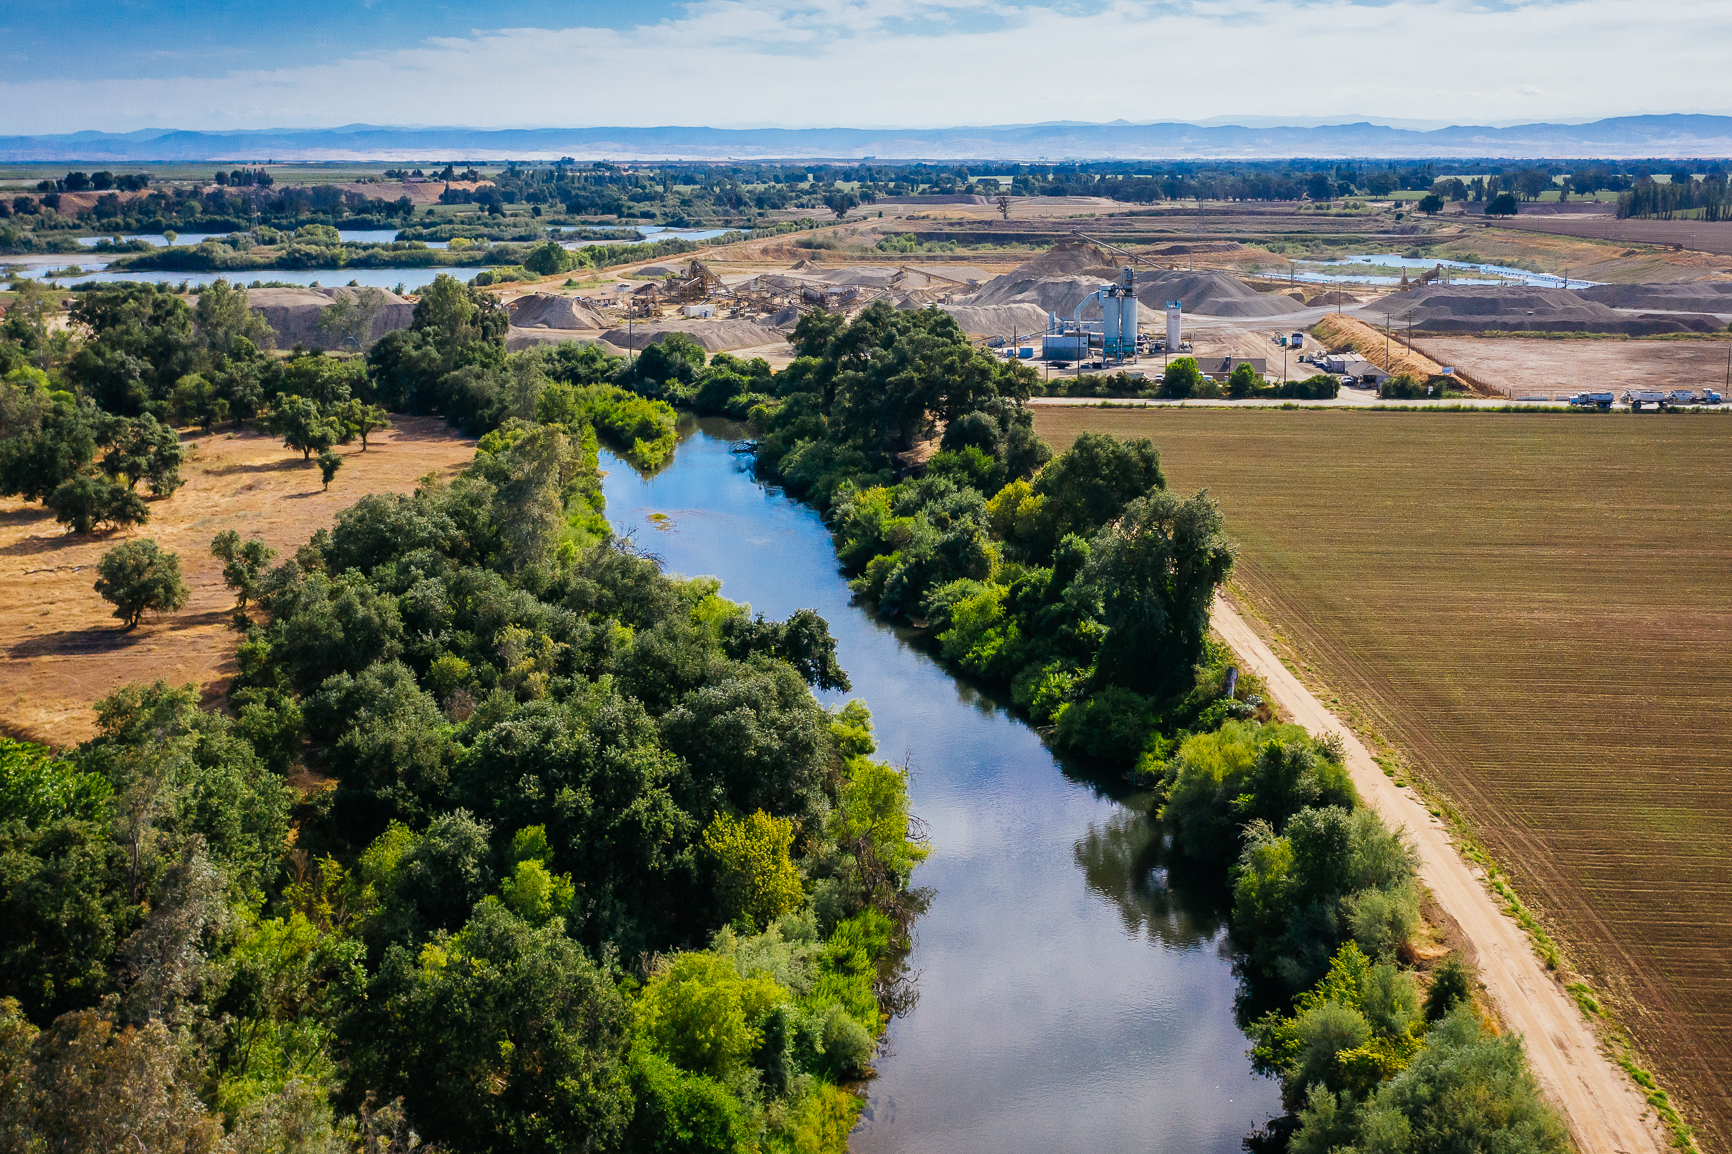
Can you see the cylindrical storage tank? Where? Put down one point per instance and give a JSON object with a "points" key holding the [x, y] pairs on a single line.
{"points": [[1174, 311], [1128, 326], [1111, 307]]}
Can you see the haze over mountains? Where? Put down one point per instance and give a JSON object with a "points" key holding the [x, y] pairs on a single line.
{"points": [[1625, 136]]}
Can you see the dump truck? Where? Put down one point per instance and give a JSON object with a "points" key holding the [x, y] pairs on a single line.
{"points": [[1682, 397], [1592, 401], [1636, 398]]}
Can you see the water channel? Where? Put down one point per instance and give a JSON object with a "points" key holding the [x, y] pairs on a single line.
{"points": [[1072, 995]]}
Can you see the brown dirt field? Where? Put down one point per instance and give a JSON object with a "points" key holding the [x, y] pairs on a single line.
{"points": [[1534, 611], [60, 648], [1697, 235], [1528, 367]]}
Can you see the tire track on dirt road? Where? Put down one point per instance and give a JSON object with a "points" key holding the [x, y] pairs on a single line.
{"points": [[1604, 1111]]}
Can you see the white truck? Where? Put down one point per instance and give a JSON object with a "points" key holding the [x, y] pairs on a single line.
{"points": [[1601, 401], [1636, 398]]}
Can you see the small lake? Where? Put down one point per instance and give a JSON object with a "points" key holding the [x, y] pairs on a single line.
{"points": [[1325, 272], [1072, 995]]}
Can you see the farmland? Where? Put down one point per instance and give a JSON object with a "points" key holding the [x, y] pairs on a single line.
{"points": [[1533, 611]]}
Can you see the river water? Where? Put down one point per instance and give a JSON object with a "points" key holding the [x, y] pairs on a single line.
{"points": [[1072, 996]]}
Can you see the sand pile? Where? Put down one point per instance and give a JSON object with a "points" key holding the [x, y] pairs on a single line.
{"points": [[549, 310], [1057, 280], [864, 275], [293, 314], [1053, 294], [1211, 293], [516, 340], [1464, 309], [715, 335], [1689, 296], [1006, 321]]}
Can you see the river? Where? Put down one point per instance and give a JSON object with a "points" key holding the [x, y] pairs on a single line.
{"points": [[1071, 995]]}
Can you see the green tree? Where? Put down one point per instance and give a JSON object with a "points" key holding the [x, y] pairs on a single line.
{"points": [[46, 436], [142, 449], [503, 1037], [139, 578], [303, 425], [363, 419], [350, 315], [243, 565], [1243, 382], [1503, 204], [329, 463], [1156, 570], [841, 201], [222, 314], [1430, 204], [1181, 379], [755, 875], [83, 503], [197, 402]]}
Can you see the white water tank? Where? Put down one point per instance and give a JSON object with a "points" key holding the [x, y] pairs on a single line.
{"points": [[1128, 325], [1175, 309]]}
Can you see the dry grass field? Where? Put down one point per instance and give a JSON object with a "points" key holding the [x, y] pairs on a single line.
{"points": [[60, 648], [1537, 366], [1535, 610]]}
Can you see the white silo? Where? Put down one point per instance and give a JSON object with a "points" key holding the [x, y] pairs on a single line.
{"points": [[1175, 311]]}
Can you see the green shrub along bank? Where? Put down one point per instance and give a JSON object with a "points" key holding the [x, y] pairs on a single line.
{"points": [[574, 859], [1325, 906], [1182, 379]]}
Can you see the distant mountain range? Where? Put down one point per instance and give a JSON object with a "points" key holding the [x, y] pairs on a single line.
{"points": [[1620, 137]]}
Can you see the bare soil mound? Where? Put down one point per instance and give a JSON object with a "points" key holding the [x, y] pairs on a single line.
{"points": [[1070, 258], [293, 314], [550, 310], [1465, 309], [715, 336], [1053, 294], [516, 339], [998, 320], [1212, 293], [1686, 296]]}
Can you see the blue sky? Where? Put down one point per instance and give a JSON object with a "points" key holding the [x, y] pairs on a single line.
{"points": [[67, 65]]}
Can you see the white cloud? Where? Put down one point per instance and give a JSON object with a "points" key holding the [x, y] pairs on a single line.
{"points": [[804, 63]]}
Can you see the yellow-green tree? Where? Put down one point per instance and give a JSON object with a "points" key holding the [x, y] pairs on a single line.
{"points": [[756, 875]]}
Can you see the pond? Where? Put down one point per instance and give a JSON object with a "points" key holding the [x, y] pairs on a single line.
{"points": [[1342, 271], [1072, 994]]}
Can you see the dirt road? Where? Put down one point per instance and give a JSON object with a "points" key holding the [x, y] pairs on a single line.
{"points": [[1604, 1112]]}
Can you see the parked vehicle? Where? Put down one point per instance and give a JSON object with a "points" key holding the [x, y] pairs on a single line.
{"points": [[1710, 397], [1683, 397], [1636, 398], [1600, 401]]}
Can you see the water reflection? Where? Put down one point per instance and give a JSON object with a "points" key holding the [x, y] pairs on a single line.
{"points": [[1076, 989]]}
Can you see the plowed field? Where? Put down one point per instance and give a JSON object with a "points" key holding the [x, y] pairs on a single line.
{"points": [[1536, 610]]}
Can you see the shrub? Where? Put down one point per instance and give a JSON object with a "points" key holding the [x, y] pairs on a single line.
{"points": [[138, 578], [85, 502]]}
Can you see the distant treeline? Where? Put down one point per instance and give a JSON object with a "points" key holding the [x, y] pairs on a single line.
{"points": [[1683, 195]]}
